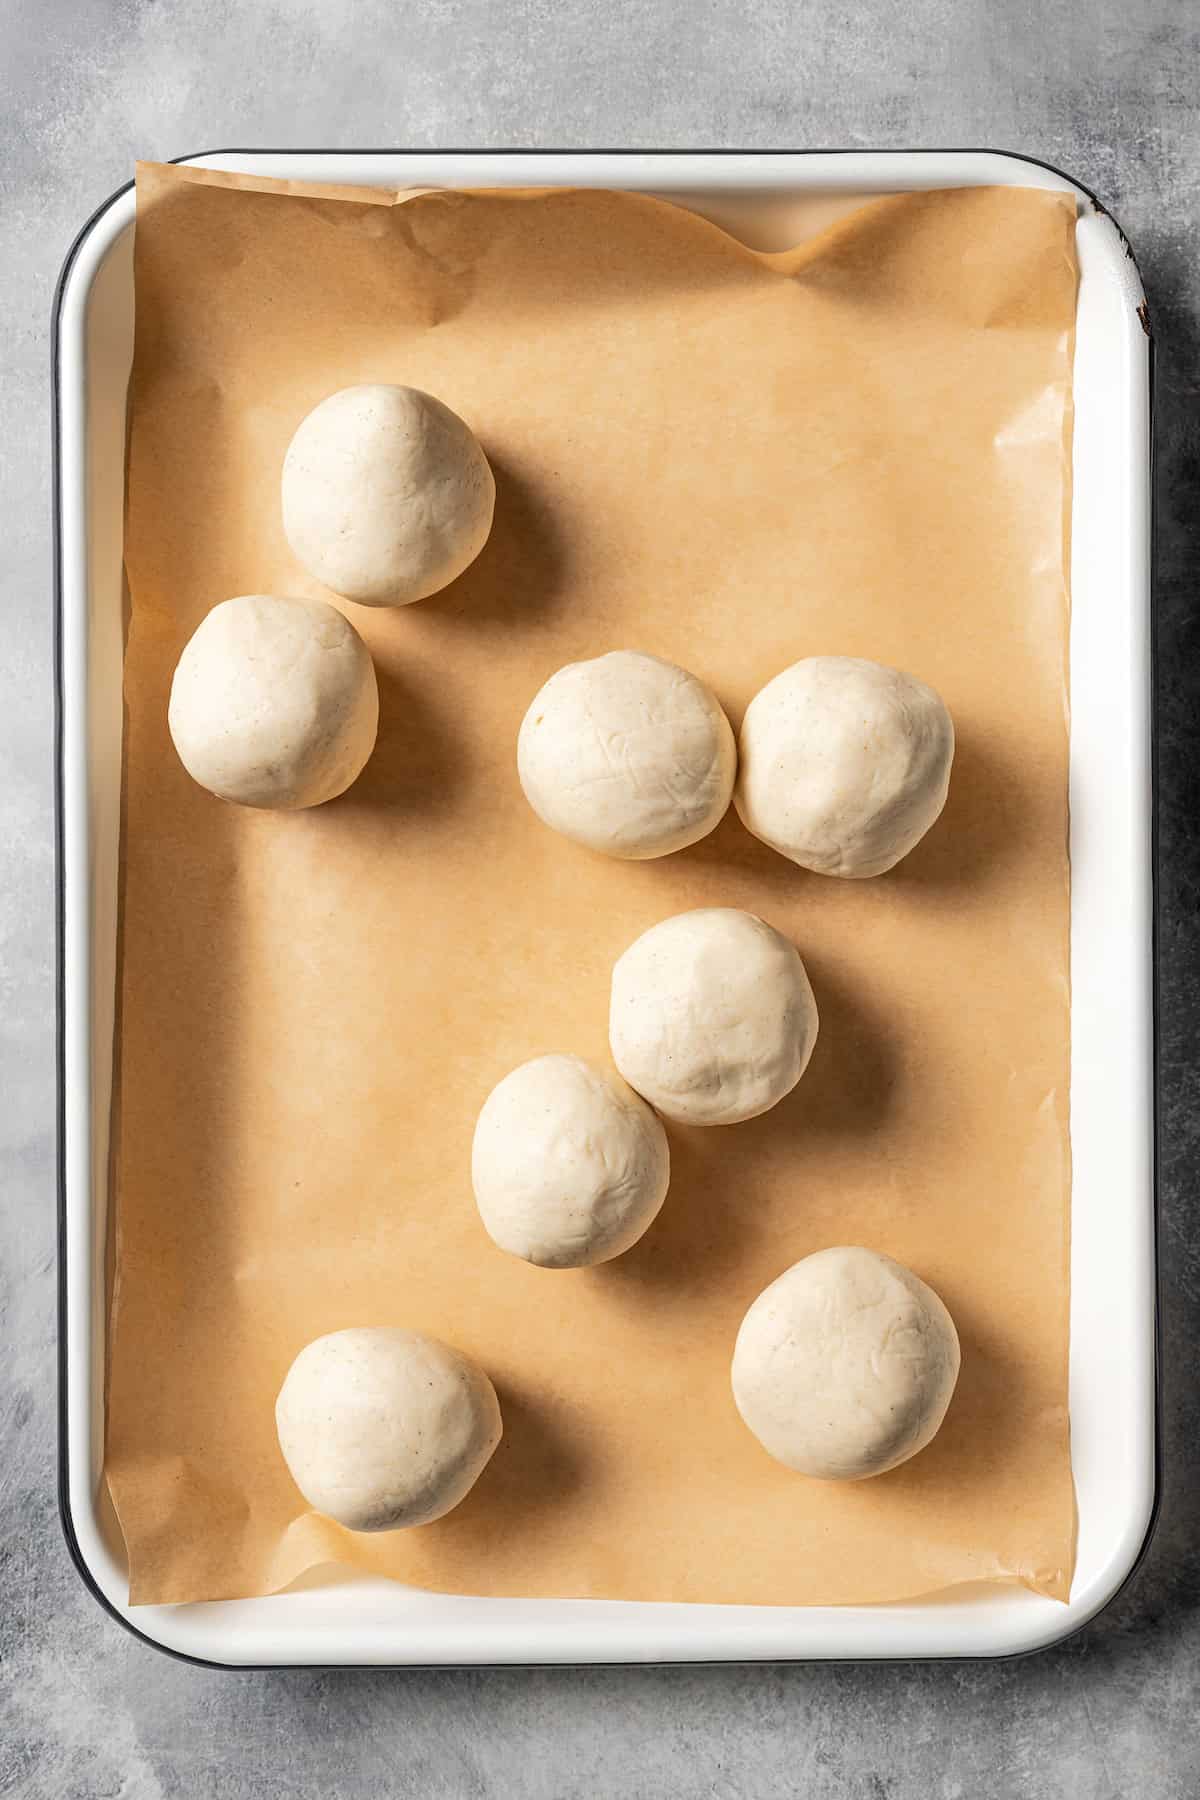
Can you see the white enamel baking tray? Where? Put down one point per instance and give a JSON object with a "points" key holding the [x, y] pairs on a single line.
{"points": [[1113, 1360]]}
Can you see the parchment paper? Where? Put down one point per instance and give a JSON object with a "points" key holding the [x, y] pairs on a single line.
{"points": [[731, 460]]}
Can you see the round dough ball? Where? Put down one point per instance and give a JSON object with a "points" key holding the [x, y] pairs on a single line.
{"points": [[844, 764], [387, 495], [845, 1365], [274, 702], [627, 754], [569, 1166], [712, 1016], [382, 1428]]}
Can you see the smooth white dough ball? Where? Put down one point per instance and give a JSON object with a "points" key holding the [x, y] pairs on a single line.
{"points": [[627, 754], [383, 1428], [387, 495], [845, 1365], [712, 1017], [569, 1166], [843, 764], [274, 702]]}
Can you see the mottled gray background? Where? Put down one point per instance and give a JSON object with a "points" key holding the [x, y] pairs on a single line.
{"points": [[1108, 90]]}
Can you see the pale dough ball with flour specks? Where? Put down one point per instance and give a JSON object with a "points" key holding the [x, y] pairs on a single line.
{"points": [[628, 755], [843, 764], [387, 495], [384, 1428], [274, 702], [845, 1365], [569, 1166], [712, 1018]]}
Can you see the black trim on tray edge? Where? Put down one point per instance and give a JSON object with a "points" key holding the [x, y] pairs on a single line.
{"points": [[64, 1500]]}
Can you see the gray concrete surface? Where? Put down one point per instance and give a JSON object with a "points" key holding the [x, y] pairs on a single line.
{"points": [[1108, 91]]}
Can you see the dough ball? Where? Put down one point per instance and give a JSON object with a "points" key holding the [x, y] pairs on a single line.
{"points": [[274, 702], [382, 1428], [844, 764], [844, 1367], [712, 1016], [627, 754], [387, 495], [569, 1166]]}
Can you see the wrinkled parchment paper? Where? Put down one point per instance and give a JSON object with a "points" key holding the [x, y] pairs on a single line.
{"points": [[731, 460]]}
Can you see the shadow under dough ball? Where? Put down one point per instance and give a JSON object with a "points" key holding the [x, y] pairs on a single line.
{"points": [[570, 1167], [383, 1428], [845, 1365], [274, 702], [843, 764], [712, 1018], [387, 496]]}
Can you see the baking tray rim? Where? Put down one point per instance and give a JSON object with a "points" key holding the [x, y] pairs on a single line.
{"points": [[1125, 1565]]}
